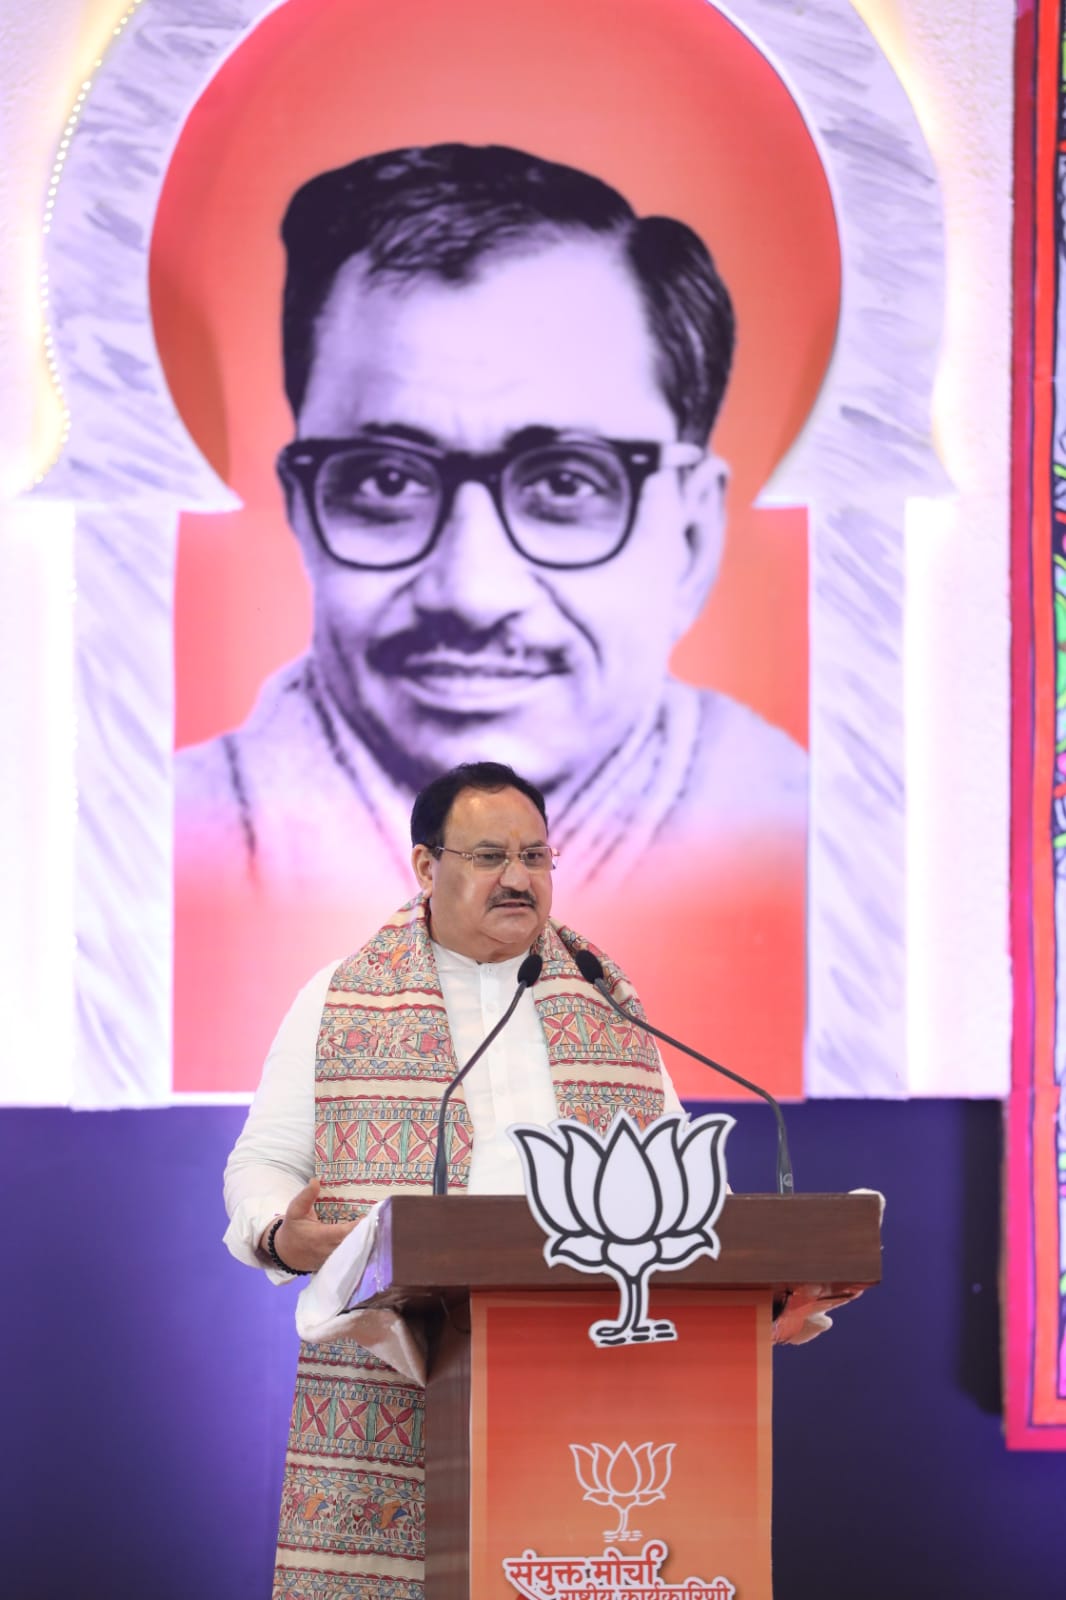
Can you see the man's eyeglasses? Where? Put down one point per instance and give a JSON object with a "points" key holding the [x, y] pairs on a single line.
{"points": [[535, 857], [564, 500]]}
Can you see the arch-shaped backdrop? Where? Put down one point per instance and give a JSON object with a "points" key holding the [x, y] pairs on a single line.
{"points": [[864, 450]]}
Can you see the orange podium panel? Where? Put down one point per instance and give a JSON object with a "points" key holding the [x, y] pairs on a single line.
{"points": [[644, 1469]]}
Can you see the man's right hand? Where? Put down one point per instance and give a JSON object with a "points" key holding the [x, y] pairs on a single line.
{"points": [[302, 1241]]}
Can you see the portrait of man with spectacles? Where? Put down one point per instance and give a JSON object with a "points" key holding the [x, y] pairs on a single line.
{"points": [[503, 384]]}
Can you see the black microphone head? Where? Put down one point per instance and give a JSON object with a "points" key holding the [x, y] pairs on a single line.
{"points": [[589, 966], [530, 970]]}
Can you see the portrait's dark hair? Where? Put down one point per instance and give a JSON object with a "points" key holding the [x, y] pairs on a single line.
{"points": [[433, 804], [439, 211]]}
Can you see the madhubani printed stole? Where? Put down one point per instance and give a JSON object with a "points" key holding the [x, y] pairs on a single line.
{"points": [[352, 1514]]}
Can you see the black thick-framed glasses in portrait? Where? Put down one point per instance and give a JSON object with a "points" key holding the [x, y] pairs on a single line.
{"points": [[563, 499]]}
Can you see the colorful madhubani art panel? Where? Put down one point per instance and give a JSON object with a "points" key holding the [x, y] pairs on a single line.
{"points": [[1035, 1242]]}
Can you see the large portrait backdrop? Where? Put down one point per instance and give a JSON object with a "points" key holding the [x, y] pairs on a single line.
{"points": [[686, 860], [712, 680]]}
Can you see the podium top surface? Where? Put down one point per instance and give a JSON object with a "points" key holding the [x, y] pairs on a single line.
{"points": [[431, 1246]]}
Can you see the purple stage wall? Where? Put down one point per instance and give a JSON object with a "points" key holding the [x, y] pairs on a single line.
{"points": [[148, 1376]]}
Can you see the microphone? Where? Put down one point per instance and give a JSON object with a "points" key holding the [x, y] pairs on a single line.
{"points": [[591, 969], [528, 973]]}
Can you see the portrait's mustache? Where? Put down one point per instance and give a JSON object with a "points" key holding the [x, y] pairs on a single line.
{"points": [[445, 635]]}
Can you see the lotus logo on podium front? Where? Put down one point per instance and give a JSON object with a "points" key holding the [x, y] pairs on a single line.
{"points": [[622, 1478], [627, 1203]]}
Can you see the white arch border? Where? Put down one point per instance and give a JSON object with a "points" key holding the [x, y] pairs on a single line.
{"points": [[130, 468]]}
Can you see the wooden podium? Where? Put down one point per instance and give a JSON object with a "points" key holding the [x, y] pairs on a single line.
{"points": [[590, 1469]]}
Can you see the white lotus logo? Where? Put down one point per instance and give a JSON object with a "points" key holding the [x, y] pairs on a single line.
{"points": [[624, 1479], [627, 1203]]}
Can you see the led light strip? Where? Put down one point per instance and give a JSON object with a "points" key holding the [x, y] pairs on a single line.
{"points": [[69, 129]]}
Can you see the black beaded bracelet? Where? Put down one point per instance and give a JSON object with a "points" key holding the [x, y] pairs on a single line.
{"points": [[272, 1252]]}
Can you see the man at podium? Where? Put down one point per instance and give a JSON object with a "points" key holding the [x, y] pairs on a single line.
{"points": [[346, 1114]]}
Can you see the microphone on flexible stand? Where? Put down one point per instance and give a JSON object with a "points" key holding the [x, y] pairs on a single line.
{"points": [[591, 969], [528, 973]]}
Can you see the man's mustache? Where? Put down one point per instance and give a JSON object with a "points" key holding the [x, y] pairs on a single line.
{"points": [[509, 897], [445, 631]]}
